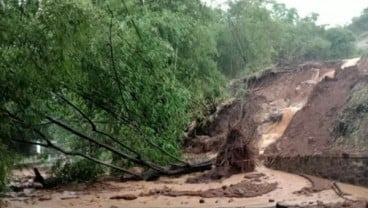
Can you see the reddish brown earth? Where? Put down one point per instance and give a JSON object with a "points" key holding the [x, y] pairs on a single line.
{"points": [[310, 131]]}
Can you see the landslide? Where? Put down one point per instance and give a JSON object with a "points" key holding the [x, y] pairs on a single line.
{"points": [[333, 121], [307, 109]]}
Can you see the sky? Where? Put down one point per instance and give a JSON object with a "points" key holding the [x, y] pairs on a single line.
{"points": [[331, 12]]}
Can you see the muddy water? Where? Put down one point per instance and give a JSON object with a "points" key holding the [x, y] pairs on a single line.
{"points": [[98, 195], [274, 131]]}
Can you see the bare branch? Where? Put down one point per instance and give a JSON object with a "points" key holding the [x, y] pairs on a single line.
{"points": [[49, 144], [69, 153], [94, 127], [126, 121], [113, 65], [108, 147]]}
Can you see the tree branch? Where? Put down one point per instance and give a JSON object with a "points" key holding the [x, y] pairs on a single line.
{"points": [[70, 153], [113, 65], [132, 21], [108, 147], [131, 124], [94, 127], [49, 144]]}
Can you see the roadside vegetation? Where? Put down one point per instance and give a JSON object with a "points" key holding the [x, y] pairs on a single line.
{"points": [[115, 83]]}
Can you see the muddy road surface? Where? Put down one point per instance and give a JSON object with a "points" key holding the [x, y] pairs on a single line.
{"points": [[290, 189]]}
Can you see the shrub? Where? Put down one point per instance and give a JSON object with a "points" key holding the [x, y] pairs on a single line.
{"points": [[77, 171], [5, 167]]}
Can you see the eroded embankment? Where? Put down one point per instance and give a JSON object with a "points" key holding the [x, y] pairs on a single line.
{"points": [[306, 110], [353, 170], [327, 137], [313, 130]]}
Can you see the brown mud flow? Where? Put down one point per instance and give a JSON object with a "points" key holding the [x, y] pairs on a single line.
{"points": [[289, 191], [307, 119]]}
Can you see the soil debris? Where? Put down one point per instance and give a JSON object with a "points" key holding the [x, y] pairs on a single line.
{"points": [[236, 156], [319, 204], [124, 197], [318, 185], [243, 189]]}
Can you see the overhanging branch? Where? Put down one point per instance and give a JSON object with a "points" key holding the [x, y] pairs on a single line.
{"points": [[105, 146]]}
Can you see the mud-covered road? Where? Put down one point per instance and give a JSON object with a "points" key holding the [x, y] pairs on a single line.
{"points": [[288, 189]]}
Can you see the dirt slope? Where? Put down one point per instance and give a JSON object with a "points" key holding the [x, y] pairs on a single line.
{"points": [[315, 128], [295, 110]]}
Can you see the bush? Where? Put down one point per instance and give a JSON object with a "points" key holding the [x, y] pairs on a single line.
{"points": [[5, 167], [77, 171]]}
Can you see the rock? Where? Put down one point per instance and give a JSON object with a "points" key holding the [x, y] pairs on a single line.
{"points": [[151, 175], [124, 197], [271, 200], [284, 205], [37, 185], [28, 191], [69, 195], [254, 175], [45, 198], [275, 118], [201, 201]]}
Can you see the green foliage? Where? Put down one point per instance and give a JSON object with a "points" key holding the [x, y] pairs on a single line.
{"points": [[342, 42], [258, 33], [138, 72], [246, 40], [351, 129], [77, 171], [359, 24], [5, 167]]}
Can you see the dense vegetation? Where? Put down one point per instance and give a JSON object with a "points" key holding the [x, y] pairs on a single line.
{"points": [[359, 24], [359, 27], [116, 82]]}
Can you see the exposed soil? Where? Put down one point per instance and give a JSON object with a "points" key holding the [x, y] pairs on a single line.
{"points": [[243, 189], [310, 130]]}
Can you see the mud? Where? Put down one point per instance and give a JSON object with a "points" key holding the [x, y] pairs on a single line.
{"points": [[99, 194], [317, 185], [243, 189]]}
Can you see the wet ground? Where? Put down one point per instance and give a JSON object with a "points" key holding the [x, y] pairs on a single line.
{"points": [[104, 194]]}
